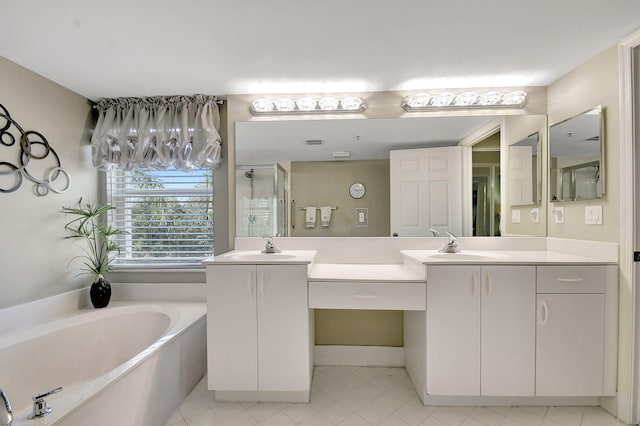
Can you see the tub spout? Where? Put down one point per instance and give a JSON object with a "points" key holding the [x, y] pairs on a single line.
{"points": [[40, 408], [6, 415]]}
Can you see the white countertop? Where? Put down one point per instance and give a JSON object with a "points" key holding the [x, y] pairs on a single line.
{"points": [[493, 257], [365, 272], [256, 257]]}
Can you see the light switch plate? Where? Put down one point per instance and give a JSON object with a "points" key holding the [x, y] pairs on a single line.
{"points": [[515, 216], [593, 215]]}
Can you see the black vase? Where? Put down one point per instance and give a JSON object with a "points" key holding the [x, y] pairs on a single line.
{"points": [[100, 292]]}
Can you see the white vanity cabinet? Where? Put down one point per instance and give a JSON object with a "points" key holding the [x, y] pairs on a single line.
{"points": [[576, 331], [258, 328], [480, 323]]}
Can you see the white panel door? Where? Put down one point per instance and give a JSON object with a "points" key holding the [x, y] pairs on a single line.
{"points": [[453, 330], [426, 190], [570, 345], [443, 176], [521, 175], [508, 330], [283, 328], [232, 334]]}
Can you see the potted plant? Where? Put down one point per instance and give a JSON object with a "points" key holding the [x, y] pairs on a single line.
{"points": [[88, 226]]}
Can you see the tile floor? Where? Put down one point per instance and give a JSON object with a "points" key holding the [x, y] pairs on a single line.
{"points": [[363, 396]]}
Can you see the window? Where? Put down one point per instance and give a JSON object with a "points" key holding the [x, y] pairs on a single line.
{"points": [[168, 215]]}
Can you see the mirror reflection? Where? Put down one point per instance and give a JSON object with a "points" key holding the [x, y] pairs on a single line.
{"points": [[576, 158], [321, 160], [524, 166]]}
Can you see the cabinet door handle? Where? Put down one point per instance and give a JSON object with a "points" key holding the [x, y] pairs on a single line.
{"points": [[367, 295], [250, 283], [261, 283], [474, 287], [544, 313], [571, 280], [489, 284]]}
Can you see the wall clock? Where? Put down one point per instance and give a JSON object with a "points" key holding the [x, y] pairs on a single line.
{"points": [[357, 190]]}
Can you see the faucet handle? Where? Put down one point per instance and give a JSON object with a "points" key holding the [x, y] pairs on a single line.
{"points": [[40, 408], [270, 246], [451, 234], [434, 232], [6, 415]]}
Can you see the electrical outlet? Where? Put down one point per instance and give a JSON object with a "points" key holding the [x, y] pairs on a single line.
{"points": [[558, 212], [362, 216], [535, 215]]}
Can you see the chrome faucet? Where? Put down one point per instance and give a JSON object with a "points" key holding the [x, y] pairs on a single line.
{"points": [[270, 247], [434, 232], [451, 246], [6, 415], [40, 408]]}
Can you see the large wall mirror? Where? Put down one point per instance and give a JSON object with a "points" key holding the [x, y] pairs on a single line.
{"points": [[576, 157], [311, 165], [524, 171]]}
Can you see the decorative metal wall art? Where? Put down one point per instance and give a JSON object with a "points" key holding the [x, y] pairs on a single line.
{"points": [[33, 150]]}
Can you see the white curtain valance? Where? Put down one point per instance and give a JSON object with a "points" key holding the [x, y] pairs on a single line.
{"points": [[157, 133]]}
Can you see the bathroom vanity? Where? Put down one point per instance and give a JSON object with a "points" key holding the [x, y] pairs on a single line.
{"points": [[479, 326]]}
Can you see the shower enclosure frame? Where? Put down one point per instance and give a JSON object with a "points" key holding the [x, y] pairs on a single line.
{"points": [[280, 223]]}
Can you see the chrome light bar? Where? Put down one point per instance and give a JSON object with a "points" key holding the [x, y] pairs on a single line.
{"points": [[465, 100], [307, 105]]}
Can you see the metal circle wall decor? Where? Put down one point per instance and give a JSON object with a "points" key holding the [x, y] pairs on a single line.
{"points": [[10, 132]]}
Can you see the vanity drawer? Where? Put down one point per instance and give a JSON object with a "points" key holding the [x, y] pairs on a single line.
{"points": [[571, 279], [368, 295]]}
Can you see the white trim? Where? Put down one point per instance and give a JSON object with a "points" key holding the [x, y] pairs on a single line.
{"points": [[482, 133], [364, 356], [628, 404]]}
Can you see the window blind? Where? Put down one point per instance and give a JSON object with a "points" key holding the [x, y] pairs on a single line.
{"points": [[167, 214]]}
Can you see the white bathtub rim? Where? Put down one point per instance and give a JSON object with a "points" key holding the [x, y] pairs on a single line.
{"points": [[64, 402]]}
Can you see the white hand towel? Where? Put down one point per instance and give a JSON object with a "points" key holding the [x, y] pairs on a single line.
{"points": [[310, 217], [325, 215]]}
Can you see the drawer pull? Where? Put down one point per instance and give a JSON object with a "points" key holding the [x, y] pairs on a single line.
{"points": [[250, 283], [571, 280], [544, 313], [367, 295], [474, 288]]}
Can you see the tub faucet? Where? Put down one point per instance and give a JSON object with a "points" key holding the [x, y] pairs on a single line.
{"points": [[40, 408], [6, 415], [270, 247], [451, 246]]}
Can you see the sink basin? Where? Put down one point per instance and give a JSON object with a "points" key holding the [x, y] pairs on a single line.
{"points": [[468, 256], [263, 256]]}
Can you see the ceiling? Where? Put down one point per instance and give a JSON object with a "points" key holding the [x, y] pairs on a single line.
{"points": [[220, 47], [262, 142]]}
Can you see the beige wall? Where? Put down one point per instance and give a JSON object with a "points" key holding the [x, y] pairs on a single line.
{"points": [[591, 84], [35, 259], [326, 183], [358, 327]]}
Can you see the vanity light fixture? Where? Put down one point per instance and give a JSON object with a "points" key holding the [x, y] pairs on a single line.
{"points": [[306, 105], [468, 99]]}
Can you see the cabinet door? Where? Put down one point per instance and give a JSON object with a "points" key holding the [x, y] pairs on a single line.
{"points": [[232, 333], [453, 330], [283, 328], [508, 330], [570, 344], [425, 190]]}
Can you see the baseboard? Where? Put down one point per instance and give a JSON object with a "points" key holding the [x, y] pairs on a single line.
{"points": [[365, 356]]}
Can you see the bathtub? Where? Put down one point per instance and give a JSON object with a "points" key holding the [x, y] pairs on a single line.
{"points": [[129, 364]]}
